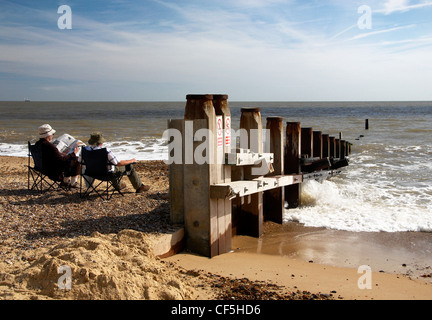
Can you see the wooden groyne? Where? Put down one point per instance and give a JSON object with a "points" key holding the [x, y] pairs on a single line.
{"points": [[225, 183]]}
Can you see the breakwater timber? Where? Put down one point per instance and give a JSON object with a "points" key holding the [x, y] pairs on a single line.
{"points": [[222, 183]]}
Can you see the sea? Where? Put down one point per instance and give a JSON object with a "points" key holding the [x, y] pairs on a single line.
{"points": [[387, 186]]}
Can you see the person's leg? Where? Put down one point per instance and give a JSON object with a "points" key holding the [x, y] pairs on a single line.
{"points": [[133, 176], [71, 171], [118, 172]]}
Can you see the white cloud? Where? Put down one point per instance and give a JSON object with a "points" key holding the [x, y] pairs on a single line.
{"points": [[373, 33], [391, 6]]}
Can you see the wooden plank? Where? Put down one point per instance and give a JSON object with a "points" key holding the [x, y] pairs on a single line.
{"points": [[221, 226], [320, 175], [248, 187], [320, 164], [248, 158]]}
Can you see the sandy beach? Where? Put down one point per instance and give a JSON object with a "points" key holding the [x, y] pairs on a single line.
{"points": [[108, 248]]}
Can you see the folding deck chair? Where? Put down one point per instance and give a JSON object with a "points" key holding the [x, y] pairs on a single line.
{"points": [[96, 165], [37, 175]]}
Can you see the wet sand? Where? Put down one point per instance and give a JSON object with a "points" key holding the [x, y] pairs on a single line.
{"points": [[328, 261], [408, 253]]}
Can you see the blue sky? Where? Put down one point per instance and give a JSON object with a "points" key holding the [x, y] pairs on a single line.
{"points": [[256, 50]]}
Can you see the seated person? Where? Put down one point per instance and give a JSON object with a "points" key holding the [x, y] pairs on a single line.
{"points": [[57, 166], [118, 167]]}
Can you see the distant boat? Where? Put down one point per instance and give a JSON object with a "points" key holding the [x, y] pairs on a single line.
{"points": [[26, 100]]}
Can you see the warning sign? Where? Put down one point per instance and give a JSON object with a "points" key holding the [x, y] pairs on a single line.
{"points": [[219, 128], [227, 131]]}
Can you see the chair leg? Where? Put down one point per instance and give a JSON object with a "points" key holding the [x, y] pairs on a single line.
{"points": [[107, 191], [91, 188]]}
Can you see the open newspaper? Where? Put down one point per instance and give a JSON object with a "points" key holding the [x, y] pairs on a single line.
{"points": [[66, 143]]}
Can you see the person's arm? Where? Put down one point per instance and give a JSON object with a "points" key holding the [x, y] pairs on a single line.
{"points": [[125, 162], [57, 154], [113, 160]]}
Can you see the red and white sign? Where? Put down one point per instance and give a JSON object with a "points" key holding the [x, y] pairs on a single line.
{"points": [[219, 131], [227, 131]]}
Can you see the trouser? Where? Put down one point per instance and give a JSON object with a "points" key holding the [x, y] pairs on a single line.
{"points": [[72, 168], [130, 172]]}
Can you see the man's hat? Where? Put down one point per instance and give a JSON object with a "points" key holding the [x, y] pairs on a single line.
{"points": [[96, 139]]}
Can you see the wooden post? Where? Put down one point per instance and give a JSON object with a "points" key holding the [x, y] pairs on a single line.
{"points": [[251, 217], [337, 148], [224, 209], [292, 161], [306, 142], [220, 103], [332, 147], [175, 170], [325, 146], [317, 144], [367, 124], [342, 149], [274, 199], [205, 219], [199, 106]]}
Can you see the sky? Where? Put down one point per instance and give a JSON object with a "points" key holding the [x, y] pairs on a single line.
{"points": [[252, 50]]}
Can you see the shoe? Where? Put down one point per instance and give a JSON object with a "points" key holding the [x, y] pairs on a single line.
{"points": [[64, 185], [143, 188], [122, 186], [74, 186]]}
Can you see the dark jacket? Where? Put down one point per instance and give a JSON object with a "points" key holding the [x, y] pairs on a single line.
{"points": [[54, 163]]}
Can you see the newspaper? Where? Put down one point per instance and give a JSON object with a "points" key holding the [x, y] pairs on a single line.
{"points": [[66, 143]]}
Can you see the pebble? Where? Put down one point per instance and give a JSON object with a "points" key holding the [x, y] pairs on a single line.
{"points": [[31, 220]]}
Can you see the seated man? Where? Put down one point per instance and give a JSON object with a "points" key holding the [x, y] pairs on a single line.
{"points": [[95, 142], [57, 166]]}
